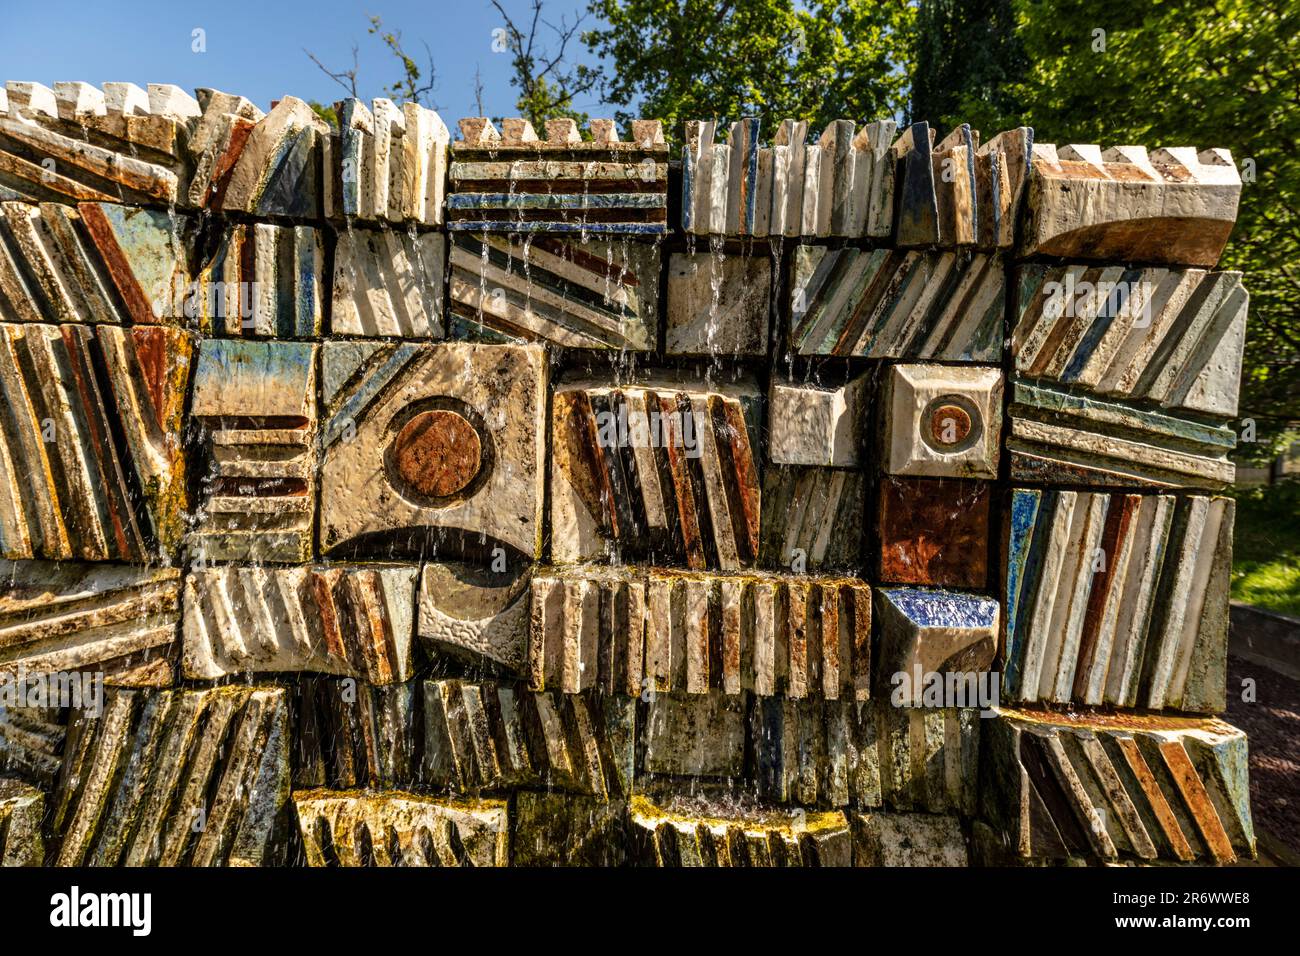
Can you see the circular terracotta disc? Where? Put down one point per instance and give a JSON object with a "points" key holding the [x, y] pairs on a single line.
{"points": [[438, 452], [949, 425]]}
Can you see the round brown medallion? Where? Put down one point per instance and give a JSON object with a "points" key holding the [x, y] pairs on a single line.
{"points": [[438, 452], [949, 425]]}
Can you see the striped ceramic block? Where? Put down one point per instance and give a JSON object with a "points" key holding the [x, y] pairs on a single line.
{"points": [[515, 182], [599, 294], [1116, 787], [886, 303], [1170, 336], [1062, 437], [1117, 599]]}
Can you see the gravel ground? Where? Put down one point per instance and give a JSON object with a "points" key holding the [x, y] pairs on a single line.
{"points": [[1272, 722]]}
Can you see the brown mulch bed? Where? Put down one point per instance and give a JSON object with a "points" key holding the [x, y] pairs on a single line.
{"points": [[1272, 722]]}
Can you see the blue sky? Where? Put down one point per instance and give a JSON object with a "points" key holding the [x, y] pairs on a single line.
{"points": [[256, 48]]}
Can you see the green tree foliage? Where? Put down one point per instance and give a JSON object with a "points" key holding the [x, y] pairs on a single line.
{"points": [[1160, 73], [775, 59], [967, 60]]}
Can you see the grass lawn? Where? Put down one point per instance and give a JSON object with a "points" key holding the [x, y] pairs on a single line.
{"points": [[1266, 550]]}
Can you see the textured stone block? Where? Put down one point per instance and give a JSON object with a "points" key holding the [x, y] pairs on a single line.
{"points": [[719, 304], [598, 294], [907, 839], [817, 426], [690, 831], [942, 422], [475, 614], [938, 198], [1064, 438], [392, 163], [1118, 599], [561, 829], [388, 282], [392, 828], [864, 754], [175, 778], [255, 406], [21, 808], [432, 445], [97, 263], [520, 183], [587, 630], [885, 303], [491, 736], [694, 735], [924, 631], [1170, 336], [1174, 205], [934, 531], [841, 185], [261, 280], [91, 460], [31, 743], [115, 620], [664, 470], [1118, 787], [54, 149], [349, 733], [329, 619], [812, 517]]}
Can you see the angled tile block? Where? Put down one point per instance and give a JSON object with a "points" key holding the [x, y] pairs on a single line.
{"points": [[255, 406], [22, 807], [392, 828], [934, 531], [1066, 438], [719, 304], [1001, 178], [599, 294], [1118, 599], [885, 303], [925, 631], [51, 152], [98, 262], [329, 619], [272, 165], [31, 742], [1170, 336], [665, 470], [491, 736], [942, 422], [139, 779], [1174, 205], [475, 614], [682, 830], [810, 425], [349, 733], [939, 196], [116, 620], [1121, 787], [907, 839], [262, 281], [520, 183], [392, 163], [812, 517], [426, 443], [91, 462], [388, 282]]}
